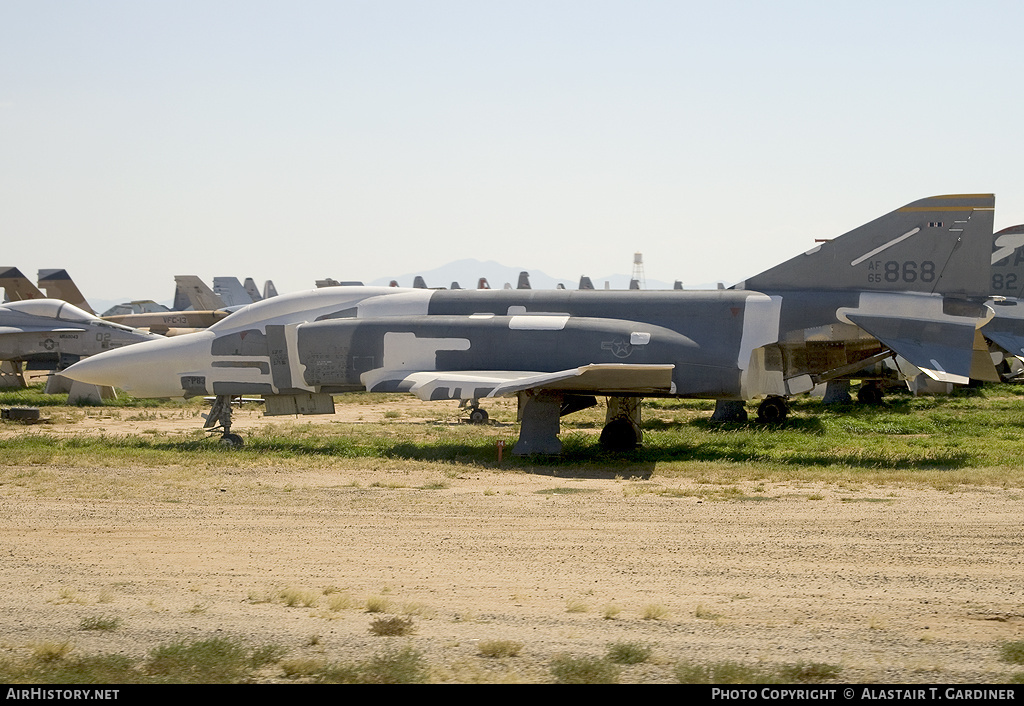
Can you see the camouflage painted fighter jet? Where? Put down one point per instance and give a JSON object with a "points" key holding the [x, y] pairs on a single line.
{"points": [[54, 331], [912, 282]]}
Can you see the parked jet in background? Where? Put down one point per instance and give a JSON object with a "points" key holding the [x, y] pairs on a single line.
{"points": [[911, 282], [56, 283], [1006, 330], [55, 332], [196, 307]]}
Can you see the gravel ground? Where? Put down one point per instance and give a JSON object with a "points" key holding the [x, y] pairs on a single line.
{"points": [[892, 584]]}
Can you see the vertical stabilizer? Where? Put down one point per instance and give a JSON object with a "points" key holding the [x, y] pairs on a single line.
{"points": [[196, 293], [231, 291], [58, 285], [252, 290], [941, 244], [17, 287]]}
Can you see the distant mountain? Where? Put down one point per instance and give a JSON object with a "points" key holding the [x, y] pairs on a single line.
{"points": [[468, 272]]}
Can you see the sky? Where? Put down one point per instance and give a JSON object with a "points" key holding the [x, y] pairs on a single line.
{"points": [[299, 140]]}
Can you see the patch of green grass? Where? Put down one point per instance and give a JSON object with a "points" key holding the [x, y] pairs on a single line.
{"points": [[403, 665], [99, 622], [567, 669], [218, 660], [1012, 652], [729, 672], [564, 491], [945, 442], [629, 652]]}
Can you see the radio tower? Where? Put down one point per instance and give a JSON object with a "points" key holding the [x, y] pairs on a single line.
{"points": [[637, 280]]}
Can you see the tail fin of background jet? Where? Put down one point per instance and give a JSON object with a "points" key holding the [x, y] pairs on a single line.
{"points": [[524, 280], [17, 287], [251, 289], [194, 293], [941, 244], [231, 291], [269, 290], [58, 285]]}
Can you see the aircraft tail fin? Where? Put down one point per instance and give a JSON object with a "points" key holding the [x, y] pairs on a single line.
{"points": [[195, 293], [941, 244], [524, 281], [58, 285], [252, 290], [1008, 262], [17, 287], [231, 291], [269, 290]]}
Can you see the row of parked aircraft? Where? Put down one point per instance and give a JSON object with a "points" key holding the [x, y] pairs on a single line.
{"points": [[53, 325], [920, 285]]}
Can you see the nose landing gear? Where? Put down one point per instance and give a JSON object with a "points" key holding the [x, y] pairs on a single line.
{"points": [[219, 419]]}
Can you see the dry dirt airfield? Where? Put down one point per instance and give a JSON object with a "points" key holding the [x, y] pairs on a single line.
{"points": [[892, 584]]}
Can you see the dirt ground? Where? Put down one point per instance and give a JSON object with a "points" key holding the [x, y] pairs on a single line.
{"points": [[892, 584]]}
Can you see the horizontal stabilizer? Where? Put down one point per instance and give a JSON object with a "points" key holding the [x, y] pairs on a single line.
{"points": [[608, 378], [1007, 328], [942, 350]]}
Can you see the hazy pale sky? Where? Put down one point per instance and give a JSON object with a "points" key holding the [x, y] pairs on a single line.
{"points": [[356, 140]]}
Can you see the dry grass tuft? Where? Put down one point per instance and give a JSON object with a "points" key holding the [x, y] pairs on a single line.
{"points": [[498, 649]]}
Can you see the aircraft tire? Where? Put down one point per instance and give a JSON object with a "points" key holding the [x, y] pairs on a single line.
{"points": [[478, 416], [619, 435], [772, 410], [869, 394], [233, 441]]}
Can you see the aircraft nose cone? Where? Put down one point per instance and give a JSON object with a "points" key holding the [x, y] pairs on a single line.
{"points": [[150, 369]]}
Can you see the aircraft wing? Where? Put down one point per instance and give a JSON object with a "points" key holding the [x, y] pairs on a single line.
{"points": [[39, 329], [943, 351], [605, 378]]}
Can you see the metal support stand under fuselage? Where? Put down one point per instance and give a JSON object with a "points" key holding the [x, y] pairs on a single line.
{"points": [[540, 416], [729, 411]]}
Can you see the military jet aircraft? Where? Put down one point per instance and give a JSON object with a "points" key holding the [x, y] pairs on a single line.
{"points": [[912, 282], [196, 306], [53, 331]]}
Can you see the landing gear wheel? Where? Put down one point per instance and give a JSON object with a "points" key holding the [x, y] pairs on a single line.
{"points": [[233, 441], [773, 410], [869, 394], [619, 435], [478, 416]]}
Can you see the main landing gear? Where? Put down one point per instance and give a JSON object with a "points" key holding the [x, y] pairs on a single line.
{"points": [[477, 414], [870, 393], [219, 419], [773, 410]]}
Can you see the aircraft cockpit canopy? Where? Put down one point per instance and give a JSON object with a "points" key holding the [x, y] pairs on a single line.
{"points": [[52, 309]]}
